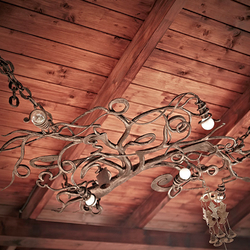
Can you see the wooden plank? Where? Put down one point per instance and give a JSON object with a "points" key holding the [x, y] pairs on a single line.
{"points": [[177, 85], [8, 248], [235, 117], [246, 2], [198, 71], [239, 212], [61, 31], [145, 96], [56, 109], [222, 10], [68, 236], [15, 41], [206, 52], [78, 217], [53, 93], [169, 225], [54, 73], [204, 28], [139, 50], [147, 210], [76, 11], [139, 9], [133, 58]]}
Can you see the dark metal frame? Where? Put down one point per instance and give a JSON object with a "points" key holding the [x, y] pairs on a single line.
{"points": [[176, 154]]}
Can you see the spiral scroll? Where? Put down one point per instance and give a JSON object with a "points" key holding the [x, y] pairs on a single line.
{"points": [[173, 154]]}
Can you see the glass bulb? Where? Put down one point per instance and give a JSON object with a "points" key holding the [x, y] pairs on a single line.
{"points": [[219, 198], [207, 124], [185, 173], [91, 201], [38, 117]]}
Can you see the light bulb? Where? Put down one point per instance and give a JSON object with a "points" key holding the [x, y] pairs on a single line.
{"points": [[207, 124], [38, 117], [91, 201], [219, 198], [185, 173]]}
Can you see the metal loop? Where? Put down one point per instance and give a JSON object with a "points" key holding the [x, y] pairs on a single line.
{"points": [[14, 98], [12, 85], [23, 95], [7, 67], [19, 85]]}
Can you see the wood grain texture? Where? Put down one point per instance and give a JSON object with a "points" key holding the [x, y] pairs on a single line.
{"points": [[67, 52], [147, 210], [30, 232], [86, 14], [207, 29], [222, 11], [133, 58], [192, 69], [62, 31], [54, 52], [203, 51], [138, 9], [239, 212]]}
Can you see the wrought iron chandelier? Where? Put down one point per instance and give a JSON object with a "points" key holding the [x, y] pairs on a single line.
{"points": [[113, 169]]}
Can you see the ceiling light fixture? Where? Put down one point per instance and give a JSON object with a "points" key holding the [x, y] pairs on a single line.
{"points": [[112, 169]]}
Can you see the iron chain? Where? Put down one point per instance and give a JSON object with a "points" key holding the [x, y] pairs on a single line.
{"points": [[7, 68], [243, 137]]}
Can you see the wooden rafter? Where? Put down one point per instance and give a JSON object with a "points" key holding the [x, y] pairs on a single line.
{"points": [[30, 233], [147, 210], [239, 212], [158, 21], [234, 118]]}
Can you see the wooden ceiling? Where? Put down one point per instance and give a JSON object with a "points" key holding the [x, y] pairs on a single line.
{"points": [[74, 55]]}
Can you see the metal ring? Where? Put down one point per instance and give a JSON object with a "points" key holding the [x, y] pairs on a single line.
{"points": [[117, 101], [14, 98], [23, 95]]}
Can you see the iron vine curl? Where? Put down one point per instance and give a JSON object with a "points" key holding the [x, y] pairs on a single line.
{"points": [[113, 169]]}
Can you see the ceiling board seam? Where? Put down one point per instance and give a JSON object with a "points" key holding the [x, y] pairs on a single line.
{"points": [[176, 94], [216, 20], [39, 59], [241, 3], [206, 63], [54, 41], [190, 79], [206, 41], [87, 27]]}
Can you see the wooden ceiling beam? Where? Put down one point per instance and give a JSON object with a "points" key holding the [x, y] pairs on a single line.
{"points": [[239, 212], [156, 24], [235, 117], [8, 248], [147, 210], [33, 233]]}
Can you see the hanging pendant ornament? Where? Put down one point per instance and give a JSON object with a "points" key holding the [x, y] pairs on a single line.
{"points": [[215, 215]]}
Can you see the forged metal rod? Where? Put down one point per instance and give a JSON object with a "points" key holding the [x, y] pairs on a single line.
{"points": [[113, 169]]}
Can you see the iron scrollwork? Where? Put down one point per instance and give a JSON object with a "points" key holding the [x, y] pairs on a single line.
{"points": [[113, 169]]}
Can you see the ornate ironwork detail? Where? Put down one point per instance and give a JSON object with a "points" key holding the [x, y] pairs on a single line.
{"points": [[113, 169]]}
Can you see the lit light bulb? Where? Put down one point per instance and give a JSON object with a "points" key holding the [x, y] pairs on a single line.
{"points": [[38, 117], [185, 173], [207, 124], [91, 201]]}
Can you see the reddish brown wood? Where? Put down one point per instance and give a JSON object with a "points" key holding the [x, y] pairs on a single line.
{"points": [[32, 209], [152, 30], [147, 210], [238, 113], [30, 233], [234, 118], [239, 212]]}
